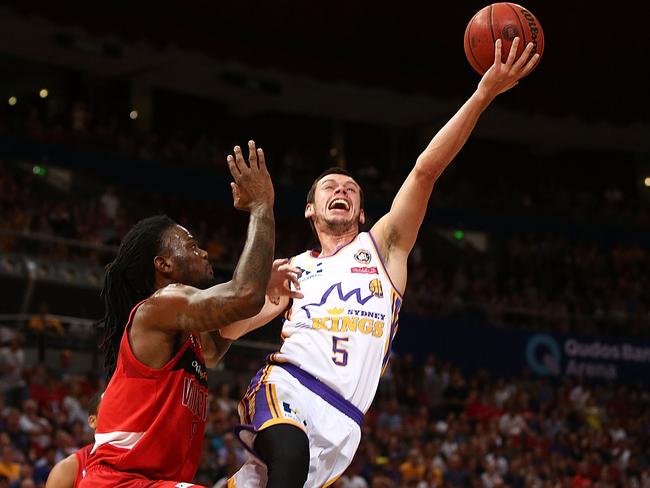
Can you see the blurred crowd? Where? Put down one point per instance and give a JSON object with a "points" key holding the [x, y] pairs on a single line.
{"points": [[545, 186], [430, 426], [540, 280]]}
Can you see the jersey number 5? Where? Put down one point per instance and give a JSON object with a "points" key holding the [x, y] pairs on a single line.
{"points": [[340, 357]]}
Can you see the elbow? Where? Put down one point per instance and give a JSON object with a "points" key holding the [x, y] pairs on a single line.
{"points": [[427, 169]]}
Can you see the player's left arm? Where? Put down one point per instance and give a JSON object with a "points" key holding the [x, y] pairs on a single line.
{"points": [[278, 293], [63, 473], [396, 232]]}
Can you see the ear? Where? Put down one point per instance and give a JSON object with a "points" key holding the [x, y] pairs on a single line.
{"points": [[309, 211], [362, 217], [162, 264], [92, 421]]}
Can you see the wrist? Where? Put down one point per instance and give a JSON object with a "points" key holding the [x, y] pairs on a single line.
{"points": [[483, 97], [261, 209]]}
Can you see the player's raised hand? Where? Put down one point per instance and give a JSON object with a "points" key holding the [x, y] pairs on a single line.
{"points": [[252, 187], [283, 275], [503, 76]]}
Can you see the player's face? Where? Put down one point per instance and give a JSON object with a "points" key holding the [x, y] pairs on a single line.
{"points": [[337, 204], [189, 263]]}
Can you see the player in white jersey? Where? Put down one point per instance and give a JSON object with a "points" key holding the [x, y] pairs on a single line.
{"points": [[302, 413]]}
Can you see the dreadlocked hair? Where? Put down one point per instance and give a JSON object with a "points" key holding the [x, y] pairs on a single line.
{"points": [[129, 279]]}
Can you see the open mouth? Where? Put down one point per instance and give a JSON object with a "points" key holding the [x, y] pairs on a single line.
{"points": [[339, 204]]}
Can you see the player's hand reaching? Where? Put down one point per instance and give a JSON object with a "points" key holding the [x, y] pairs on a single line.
{"points": [[252, 187], [283, 275], [503, 76]]}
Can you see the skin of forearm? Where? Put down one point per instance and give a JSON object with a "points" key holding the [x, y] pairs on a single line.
{"points": [[449, 140], [254, 267]]}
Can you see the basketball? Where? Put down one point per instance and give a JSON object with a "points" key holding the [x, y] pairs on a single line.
{"points": [[503, 20]]}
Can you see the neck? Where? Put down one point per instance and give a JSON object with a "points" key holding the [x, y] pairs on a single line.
{"points": [[330, 243], [161, 282]]}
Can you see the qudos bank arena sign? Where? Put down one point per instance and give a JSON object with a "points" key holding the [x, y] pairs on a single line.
{"points": [[550, 355], [505, 351]]}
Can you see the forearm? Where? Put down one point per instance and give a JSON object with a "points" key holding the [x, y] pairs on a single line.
{"points": [[449, 140], [253, 269], [225, 303], [269, 311]]}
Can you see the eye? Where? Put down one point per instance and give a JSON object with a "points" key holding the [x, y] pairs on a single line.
{"points": [[351, 189]]}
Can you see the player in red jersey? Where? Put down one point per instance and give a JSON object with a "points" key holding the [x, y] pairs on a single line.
{"points": [[69, 472], [161, 327]]}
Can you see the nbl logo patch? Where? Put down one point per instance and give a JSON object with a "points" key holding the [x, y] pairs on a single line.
{"points": [[362, 256]]}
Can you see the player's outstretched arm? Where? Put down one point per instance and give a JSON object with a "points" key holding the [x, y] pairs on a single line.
{"points": [[180, 307], [63, 473], [397, 231]]}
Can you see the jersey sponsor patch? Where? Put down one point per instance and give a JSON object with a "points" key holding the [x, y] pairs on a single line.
{"points": [[310, 271], [289, 412], [192, 365], [364, 270]]}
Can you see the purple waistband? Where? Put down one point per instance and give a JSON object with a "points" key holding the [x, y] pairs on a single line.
{"points": [[323, 391]]}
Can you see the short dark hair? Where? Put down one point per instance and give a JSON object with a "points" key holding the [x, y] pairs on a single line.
{"points": [[334, 170]]}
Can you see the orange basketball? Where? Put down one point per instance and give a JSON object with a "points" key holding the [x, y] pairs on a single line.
{"points": [[504, 21]]}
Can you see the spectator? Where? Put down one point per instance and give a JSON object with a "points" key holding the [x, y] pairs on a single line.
{"points": [[12, 364], [9, 468], [45, 322], [32, 424]]}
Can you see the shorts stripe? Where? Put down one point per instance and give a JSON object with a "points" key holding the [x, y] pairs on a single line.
{"points": [[274, 397], [269, 401], [332, 481]]}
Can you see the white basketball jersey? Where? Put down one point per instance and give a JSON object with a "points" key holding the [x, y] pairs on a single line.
{"points": [[341, 331]]}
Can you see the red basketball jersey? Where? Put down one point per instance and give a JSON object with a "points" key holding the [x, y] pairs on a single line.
{"points": [[82, 459], [151, 421]]}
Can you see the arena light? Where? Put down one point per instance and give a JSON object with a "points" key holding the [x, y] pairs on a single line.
{"points": [[43, 93], [12, 101], [133, 115], [459, 235], [39, 170], [646, 182]]}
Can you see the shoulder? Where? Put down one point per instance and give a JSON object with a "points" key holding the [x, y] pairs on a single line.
{"points": [[164, 300], [308, 254], [173, 291], [63, 473]]}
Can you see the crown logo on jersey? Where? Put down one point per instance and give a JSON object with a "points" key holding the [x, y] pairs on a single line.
{"points": [[335, 311]]}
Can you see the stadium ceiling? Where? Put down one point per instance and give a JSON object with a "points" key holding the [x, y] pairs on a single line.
{"points": [[589, 86]]}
